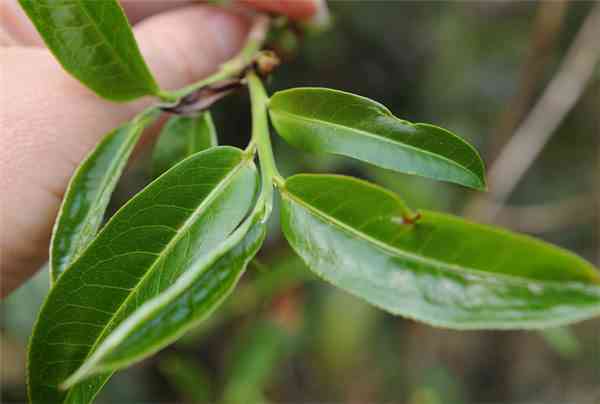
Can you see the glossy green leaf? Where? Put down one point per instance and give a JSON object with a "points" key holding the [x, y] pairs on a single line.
{"points": [[140, 252], [324, 120], [182, 136], [194, 296], [89, 191], [93, 41], [442, 270]]}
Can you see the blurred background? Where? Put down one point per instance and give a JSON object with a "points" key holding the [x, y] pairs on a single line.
{"points": [[477, 68]]}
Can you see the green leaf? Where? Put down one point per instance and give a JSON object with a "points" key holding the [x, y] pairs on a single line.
{"points": [[93, 41], [193, 297], [324, 120], [89, 191], [442, 270], [139, 253], [182, 136]]}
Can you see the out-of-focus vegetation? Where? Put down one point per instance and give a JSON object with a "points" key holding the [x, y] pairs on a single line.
{"points": [[284, 337]]}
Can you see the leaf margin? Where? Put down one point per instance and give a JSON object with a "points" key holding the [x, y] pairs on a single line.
{"points": [[593, 288], [150, 87], [246, 159], [136, 127], [478, 180], [255, 221]]}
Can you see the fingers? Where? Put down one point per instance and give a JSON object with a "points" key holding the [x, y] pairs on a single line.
{"points": [[137, 10], [16, 25], [183, 45], [49, 121], [16, 29], [296, 9]]}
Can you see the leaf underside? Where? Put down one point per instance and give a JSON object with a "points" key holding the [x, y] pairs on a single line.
{"points": [[88, 194], [191, 299], [442, 270], [331, 121], [182, 136], [138, 254], [93, 41]]}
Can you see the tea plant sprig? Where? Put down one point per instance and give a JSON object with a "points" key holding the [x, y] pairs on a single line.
{"points": [[170, 256]]}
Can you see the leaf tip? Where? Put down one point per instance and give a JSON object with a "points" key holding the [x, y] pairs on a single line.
{"points": [[74, 378], [596, 277], [474, 181], [66, 385], [482, 186]]}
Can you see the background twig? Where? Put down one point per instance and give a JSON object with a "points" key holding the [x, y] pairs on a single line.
{"points": [[543, 43], [530, 138], [548, 217]]}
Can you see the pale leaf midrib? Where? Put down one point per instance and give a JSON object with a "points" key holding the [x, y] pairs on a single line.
{"points": [[424, 260], [170, 245], [298, 117], [107, 42], [225, 248]]}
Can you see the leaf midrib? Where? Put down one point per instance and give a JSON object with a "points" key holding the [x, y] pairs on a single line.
{"points": [[378, 137], [107, 41], [180, 288], [425, 260], [170, 245]]}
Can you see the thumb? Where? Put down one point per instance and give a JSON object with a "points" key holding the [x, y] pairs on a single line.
{"points": [[49, 121], [184, 45]]}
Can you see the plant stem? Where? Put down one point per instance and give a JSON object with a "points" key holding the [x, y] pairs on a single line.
{"points": [[260, 136], [232, 68]]}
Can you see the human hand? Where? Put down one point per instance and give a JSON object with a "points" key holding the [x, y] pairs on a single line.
{"points": [[49, 121]]}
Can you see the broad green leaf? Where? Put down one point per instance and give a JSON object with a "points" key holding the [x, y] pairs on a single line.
{"points": [[193, 297], [182, 136], [89, 191], [139, 253], [93, 41], [324, 120], [442, 270]]}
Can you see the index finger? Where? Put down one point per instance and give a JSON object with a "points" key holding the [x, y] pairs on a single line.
{"points": [[20, 30], [295, 9], [137, 10]]}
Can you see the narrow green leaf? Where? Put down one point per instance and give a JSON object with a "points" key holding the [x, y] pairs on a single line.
{"points": [[89, 191], [324, 120], [182, 136], [93, 41], [193, 297], [139, 253], [442, 270]]}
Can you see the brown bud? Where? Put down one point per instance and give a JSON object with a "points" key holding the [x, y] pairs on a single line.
{"points": [[266, 62]]}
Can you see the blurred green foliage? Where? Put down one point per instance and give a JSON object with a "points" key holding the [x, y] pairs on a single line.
{"points": [[455, 64]]}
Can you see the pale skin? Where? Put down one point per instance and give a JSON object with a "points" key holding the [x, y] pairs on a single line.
{"points": [[49, 121]]}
